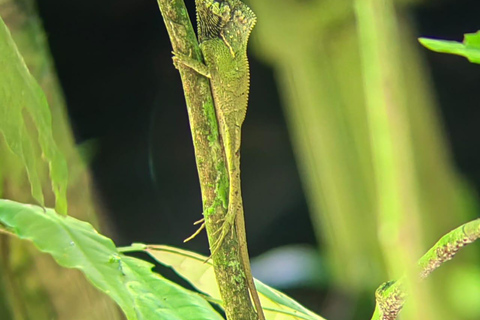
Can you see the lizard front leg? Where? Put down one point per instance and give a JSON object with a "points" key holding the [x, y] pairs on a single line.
{"points": [[193, 64]]}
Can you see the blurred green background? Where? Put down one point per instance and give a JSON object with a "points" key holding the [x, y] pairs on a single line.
{"points": [[359, 149]]}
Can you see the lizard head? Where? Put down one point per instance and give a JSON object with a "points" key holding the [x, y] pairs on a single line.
{"points": [[230, 20]]}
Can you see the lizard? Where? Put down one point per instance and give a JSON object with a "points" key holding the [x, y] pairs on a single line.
{"points": [[224, 27]]}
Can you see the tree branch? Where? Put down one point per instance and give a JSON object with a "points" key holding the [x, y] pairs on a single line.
{"points": [[210, 159]]}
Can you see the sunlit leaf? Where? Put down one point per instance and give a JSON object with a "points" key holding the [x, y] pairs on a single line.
{"points": [[470, 48], [142, 294], [195, 269], [20, 92]]}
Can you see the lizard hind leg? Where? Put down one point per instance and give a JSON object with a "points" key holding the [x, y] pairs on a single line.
{"points": [[224, 230]]}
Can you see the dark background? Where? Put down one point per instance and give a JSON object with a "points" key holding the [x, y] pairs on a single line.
{"points": [[124, 96]]}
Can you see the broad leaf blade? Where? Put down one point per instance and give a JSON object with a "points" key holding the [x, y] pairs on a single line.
{"points": [[20, 92], [199, 272], [158, 298], [142, 294], [470, 48]]}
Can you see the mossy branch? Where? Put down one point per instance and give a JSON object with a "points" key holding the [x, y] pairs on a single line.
{"points": [[210, 159]]}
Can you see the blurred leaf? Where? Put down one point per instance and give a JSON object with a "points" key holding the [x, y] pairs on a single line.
{"points": [[470, 48], [20, 91], [463, 287], [140, 293], [199, 272], [88, 150]]}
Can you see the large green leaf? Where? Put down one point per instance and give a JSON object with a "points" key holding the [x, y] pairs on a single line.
{"points": [[142, 294], [470, 48], [20, 92], [199, 272]]}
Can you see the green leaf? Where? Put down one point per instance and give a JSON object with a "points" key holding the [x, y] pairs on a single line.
{"points": [[195, 269], [142, 294], [470, 48], [20, 92]]}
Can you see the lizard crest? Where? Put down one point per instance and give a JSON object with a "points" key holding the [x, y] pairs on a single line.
{"points": [[230, 20]]}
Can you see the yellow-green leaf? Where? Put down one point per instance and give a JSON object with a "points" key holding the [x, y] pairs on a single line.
{"points": [[199, 273]]}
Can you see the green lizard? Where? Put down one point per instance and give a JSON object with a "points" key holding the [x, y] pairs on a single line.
{"points": [[224, 27]]}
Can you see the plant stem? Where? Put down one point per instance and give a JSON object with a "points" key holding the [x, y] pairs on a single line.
{"points": [[391, 295]]}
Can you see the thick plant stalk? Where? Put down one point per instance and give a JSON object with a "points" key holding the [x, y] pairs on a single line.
{"points": [[397, 203], [211, 162]]}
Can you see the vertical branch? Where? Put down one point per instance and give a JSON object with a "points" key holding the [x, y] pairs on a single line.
{"points": [[210, 159]]}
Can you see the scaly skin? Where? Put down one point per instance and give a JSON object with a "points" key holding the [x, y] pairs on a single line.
{"points": [[224, 27]]}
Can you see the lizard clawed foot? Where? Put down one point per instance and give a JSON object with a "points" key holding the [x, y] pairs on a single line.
{"points": [[202, 221], [226, 227], [199, 221], [180, 59]]}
